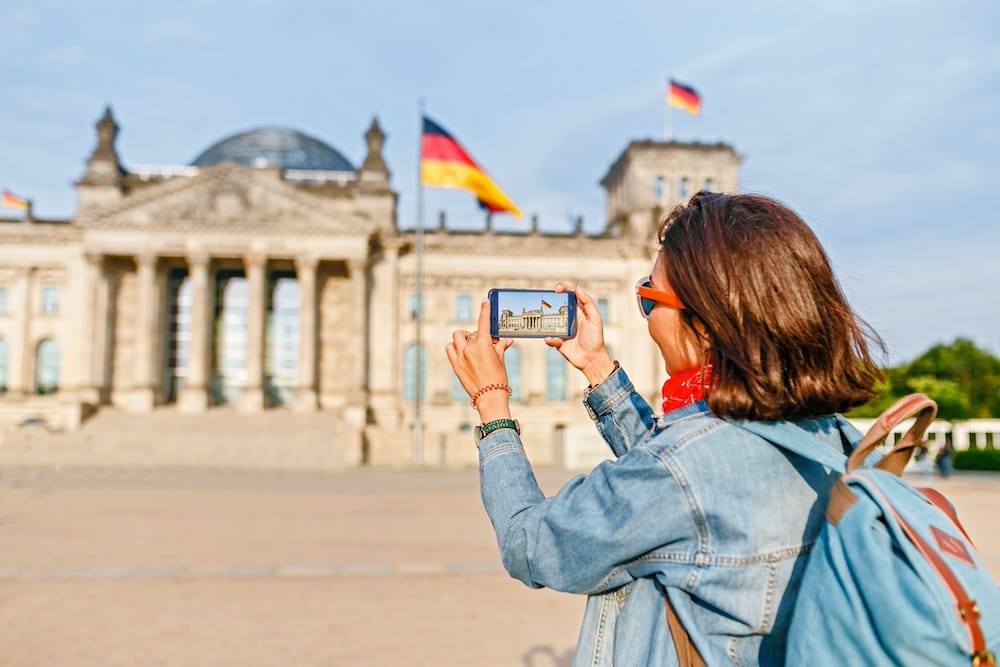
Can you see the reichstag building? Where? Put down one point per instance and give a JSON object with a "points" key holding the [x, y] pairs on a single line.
{"points": [[270, 274]]}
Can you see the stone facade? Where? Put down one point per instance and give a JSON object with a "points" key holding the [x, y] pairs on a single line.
{"points": [[99, 292]]}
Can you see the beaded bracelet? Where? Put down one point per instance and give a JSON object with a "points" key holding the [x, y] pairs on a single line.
{"points": [[490, 387]]}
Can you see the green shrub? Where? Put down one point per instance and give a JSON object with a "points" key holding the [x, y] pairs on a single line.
{"points": [[978, 459]]}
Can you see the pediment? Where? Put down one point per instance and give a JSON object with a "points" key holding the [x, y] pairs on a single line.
{"points": [[232, 198]]}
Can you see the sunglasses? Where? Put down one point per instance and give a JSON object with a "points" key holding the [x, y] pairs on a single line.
{"points": [[648, 296]]}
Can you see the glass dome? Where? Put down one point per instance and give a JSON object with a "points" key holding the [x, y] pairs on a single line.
{"points": [[274, 148]]}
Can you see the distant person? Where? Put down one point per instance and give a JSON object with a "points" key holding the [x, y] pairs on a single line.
{"points": [[752, 325], [945, 458]]}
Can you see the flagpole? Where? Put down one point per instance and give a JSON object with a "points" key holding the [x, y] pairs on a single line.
{"points": [[668, 119], [418, 236]]}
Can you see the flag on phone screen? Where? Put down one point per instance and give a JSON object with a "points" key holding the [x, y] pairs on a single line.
{"points": [[444, 163], [546, 304]]}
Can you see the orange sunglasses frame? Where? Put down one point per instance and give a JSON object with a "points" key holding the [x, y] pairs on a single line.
{"points": [[668, 299]]}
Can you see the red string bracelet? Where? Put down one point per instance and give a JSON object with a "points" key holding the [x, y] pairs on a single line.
{"points": [[498, 386]]}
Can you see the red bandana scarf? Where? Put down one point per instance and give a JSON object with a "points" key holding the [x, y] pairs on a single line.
{"points": [[686, 387]]}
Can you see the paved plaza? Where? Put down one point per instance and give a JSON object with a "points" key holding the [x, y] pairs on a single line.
{"points": [[171, 566]]}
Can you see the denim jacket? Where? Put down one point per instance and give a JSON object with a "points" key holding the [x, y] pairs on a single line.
{"points": [[694, 506]]}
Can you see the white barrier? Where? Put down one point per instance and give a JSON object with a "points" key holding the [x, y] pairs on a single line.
{"points": [[580, 447]]}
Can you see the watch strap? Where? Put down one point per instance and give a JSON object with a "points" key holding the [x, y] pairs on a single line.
{"points": [[497, 424]]}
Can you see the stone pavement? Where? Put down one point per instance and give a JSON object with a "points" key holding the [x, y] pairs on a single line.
{"points": [[172, 566]]}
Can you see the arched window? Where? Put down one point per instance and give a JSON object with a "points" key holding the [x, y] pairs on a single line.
{"points": [[512, 359], [709, 185], [47, 367], [410, 358], [3, 366], [658, 188], [683, 190], [555, 375]]}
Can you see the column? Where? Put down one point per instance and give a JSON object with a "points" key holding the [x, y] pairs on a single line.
{"points": [[383, 338], [193, 397], [252, 398], [104, 334], [305, 395], [91, 336], [359, 297], [143, 396], [20, 349]]}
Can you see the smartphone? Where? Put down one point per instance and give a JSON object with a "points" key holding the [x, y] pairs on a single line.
{"points": [[532, 313]]}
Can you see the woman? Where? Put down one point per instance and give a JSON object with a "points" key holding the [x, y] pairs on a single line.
{"points": [[752, 325]]}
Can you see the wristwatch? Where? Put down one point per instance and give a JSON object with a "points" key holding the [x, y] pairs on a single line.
{"points": [[483, 430]]}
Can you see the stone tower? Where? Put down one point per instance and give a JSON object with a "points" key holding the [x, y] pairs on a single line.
{"points": [[650, 177]]}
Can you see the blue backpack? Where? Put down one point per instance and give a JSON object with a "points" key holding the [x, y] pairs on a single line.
{"points": [[892, 579]]}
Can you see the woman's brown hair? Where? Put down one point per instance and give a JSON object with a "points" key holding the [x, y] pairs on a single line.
{"points": [[755, 281]]}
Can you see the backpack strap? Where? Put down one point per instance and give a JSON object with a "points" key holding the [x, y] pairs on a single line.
{"points": [[687, 652], [913, 405]]}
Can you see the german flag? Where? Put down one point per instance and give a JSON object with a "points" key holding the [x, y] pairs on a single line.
{"points": [[683, 97], [444, 163], [11, 200]]}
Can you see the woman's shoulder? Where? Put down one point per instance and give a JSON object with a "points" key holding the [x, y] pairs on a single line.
{"points": [[695, 432]]}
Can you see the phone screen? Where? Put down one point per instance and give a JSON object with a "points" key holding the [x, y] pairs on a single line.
{"points": [[526, 313]]}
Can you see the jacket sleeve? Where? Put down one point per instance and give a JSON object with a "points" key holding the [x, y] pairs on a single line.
{"points": [[622, 416], [582, 539]]}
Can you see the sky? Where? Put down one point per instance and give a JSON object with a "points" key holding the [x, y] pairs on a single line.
{"points": [[877, 122]]}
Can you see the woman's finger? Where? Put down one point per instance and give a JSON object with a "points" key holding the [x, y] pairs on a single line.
{"points": [[483, 329]]}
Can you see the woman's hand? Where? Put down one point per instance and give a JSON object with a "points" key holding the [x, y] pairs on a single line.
{"points": [[478, 361], [586, 350]]}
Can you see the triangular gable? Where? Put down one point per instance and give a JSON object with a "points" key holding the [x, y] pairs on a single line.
{"points": [[228, 197]]}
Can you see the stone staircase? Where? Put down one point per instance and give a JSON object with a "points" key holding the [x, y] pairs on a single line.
{"points": [[220, 438]]}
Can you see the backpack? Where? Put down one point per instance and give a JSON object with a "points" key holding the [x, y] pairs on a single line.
{"points": [[893, 578]]}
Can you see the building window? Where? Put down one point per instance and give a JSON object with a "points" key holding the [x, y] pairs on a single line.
{"points": [[282, 341], [47, 368], [555, 375], [50, 300], [179, 331], [463, 306], [3, 366], [3, 300], [658, 188], [709, 185], [410, 373], [683, 190], [416, 307], [512, 359], [231, 339], [602, 306]]}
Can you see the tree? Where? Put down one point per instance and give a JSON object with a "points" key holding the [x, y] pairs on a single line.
{"points": [[963, 379]]}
